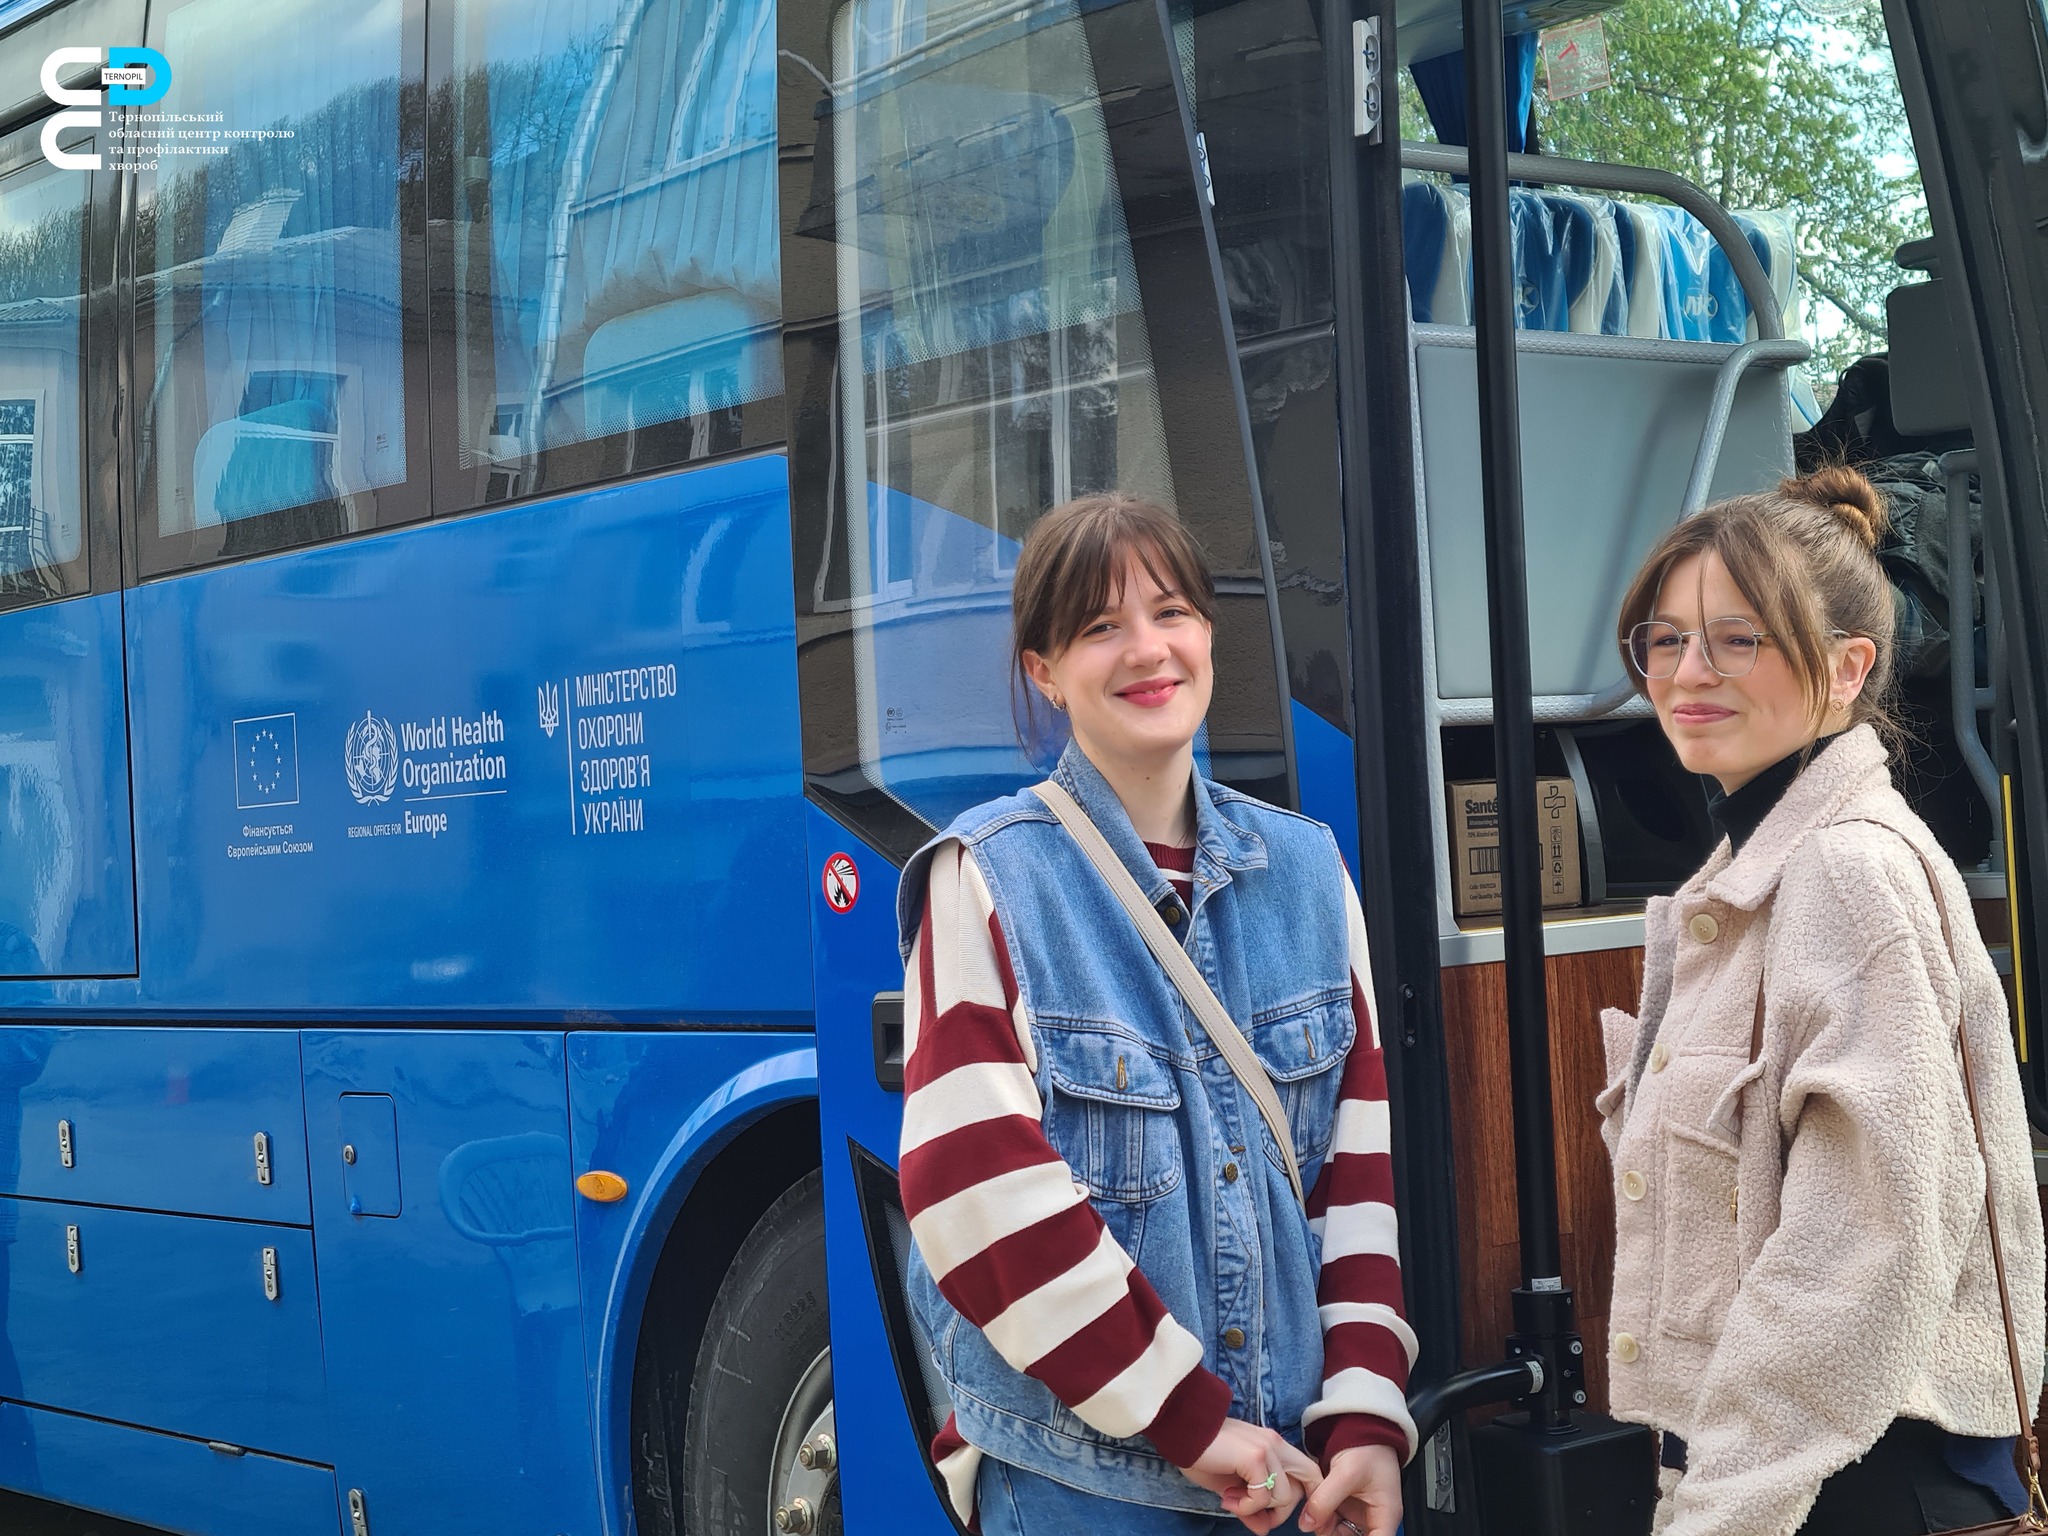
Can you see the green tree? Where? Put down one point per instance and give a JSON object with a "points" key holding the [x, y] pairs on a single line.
{"points": [[1767, 106]]}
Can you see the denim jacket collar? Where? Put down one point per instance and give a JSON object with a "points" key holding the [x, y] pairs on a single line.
{"points": [[1221, 845]]}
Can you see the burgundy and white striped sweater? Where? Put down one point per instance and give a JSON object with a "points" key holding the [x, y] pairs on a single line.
{"points": [[1014, 1244]]}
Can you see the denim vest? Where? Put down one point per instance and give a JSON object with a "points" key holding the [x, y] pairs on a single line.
{"points": [[1145, 1110]]}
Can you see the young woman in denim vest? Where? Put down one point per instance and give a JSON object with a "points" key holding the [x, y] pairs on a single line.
{"points": [[1139, 1324], [1805, 1300]]}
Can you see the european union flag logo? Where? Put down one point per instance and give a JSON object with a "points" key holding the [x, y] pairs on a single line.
{"points": [[266, 761]]}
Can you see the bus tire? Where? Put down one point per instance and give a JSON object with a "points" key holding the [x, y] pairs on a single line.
{"points": [[757, 1387]]}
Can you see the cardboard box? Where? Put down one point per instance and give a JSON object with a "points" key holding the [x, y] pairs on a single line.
{"points": [[1475, 845]]}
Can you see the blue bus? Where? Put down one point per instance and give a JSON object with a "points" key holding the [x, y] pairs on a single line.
{"points": [[506, 517]]}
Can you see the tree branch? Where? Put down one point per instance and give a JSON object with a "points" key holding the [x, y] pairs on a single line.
{"points": [[1853, 312]]}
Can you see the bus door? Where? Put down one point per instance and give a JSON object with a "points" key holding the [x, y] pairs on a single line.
{"points": [[67, 875], [1976, 91], [1001, 290]]}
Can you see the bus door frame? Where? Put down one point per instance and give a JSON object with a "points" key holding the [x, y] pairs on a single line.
{"points": [[1974, 76]]}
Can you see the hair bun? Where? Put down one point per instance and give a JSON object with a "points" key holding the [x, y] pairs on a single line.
{"points": [[1848, 494]]}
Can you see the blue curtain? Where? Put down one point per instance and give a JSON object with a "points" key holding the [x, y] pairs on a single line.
{"points": [[1441, 81]]}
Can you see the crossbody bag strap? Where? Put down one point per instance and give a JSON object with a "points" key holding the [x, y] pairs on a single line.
{"points": [[2012, 1338], [1167, 950]]}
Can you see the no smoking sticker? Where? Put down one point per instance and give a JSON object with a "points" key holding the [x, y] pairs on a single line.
{"points": [[842, 883]]}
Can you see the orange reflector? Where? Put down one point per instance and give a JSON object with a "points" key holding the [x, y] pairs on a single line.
{"points": [[601, 1186]]}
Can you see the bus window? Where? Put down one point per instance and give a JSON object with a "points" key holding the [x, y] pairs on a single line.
{"points": [[1256, 71], [42, 344], [272, 302], [1805, 148], [1822, 160], [616, 293], [991, 355]]}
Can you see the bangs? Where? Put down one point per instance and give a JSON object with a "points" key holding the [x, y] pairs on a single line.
{"points": [[1089, 575]]}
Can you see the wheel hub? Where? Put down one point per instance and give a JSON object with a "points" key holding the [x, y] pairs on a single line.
{"points": [[803, 1474]]}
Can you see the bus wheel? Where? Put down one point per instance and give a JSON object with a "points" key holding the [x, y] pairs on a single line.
{"points": [[759, 1449]]}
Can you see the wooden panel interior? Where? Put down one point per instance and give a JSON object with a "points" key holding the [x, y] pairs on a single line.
{"points": [[1483, 1147]]}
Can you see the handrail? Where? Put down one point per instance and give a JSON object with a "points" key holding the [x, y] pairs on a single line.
{"points": [[1707, 458], [1956, 469], [1601, 176], [1433, 1406]]}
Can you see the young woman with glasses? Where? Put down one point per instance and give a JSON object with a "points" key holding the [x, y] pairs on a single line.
{"points": [[1140, 1321], [1805, 1301]]}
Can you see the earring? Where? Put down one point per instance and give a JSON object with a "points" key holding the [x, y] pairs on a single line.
{"points": [[1059, 703]]}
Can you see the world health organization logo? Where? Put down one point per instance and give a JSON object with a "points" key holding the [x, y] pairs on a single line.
{"points": [[370, 759]]}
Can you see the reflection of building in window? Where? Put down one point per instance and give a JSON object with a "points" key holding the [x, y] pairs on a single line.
{"points": [[272, 285], [616, 232], [18, 533], [992, 342]]}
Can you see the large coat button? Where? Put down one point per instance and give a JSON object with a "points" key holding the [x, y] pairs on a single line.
{"points": [[1634, 1185], [1626, 1349], [1704, 928]]}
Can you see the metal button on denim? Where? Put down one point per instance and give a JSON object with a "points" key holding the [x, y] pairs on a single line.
{"points": [[1634, 1185], [1704, 928], [1626, 1349], [1234, 1337], [1230, 1173]]}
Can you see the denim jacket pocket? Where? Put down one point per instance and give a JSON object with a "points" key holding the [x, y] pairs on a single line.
{"points": [[1111, 1113], [1303, 1052]]}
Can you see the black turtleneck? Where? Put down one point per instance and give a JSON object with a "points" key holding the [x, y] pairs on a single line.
{"points": [[1736, 816]]}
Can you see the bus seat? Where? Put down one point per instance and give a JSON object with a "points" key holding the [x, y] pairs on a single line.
{"points": [[1599, 304], [1610, 426], [1926, 370], [1638, 235], [1773, 235], [1553, 260], [1567, 259], [1436, 239]]}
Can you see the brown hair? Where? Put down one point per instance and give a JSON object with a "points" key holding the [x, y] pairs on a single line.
{"points": [[1804, 555], [1073, 563]]}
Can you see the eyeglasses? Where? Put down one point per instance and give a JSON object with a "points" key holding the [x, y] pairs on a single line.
{"points": [[1656, 647]]}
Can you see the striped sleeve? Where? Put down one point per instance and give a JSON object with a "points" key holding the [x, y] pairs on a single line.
{"points": [[998, 1217], [1367, 1343]]}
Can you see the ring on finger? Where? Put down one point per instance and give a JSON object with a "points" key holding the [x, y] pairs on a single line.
{"points": [[1272, 1481]]}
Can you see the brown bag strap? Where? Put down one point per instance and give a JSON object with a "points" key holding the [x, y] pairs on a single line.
{"points": [[2012, 1338]]}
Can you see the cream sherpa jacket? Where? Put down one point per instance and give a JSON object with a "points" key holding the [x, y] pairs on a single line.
{"points": [[1801, 1249]]}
